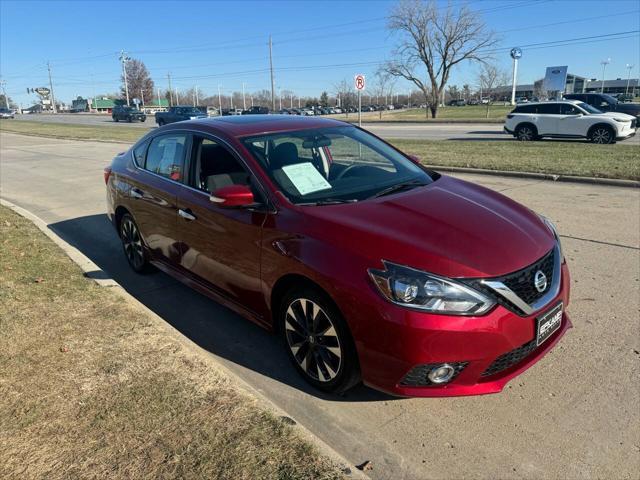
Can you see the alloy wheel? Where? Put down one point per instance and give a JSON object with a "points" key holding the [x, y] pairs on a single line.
{"points": [[132, 243], [313, 340], [601, 135], [525, 134]]}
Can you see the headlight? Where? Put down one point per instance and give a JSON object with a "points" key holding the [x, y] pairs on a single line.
{"points": [[551, 226], [621, 120], [425, 291]]}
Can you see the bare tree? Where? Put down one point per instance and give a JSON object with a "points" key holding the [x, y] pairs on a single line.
{"points": [[382, 86], [538, 90], [138, 81], [490, 77], [437, 40]]}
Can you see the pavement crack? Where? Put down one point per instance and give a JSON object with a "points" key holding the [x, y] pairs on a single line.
{"points": [[600, 242]]}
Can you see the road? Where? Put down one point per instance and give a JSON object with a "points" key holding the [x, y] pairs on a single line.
{"points": [[437, 131], [576, 414]]}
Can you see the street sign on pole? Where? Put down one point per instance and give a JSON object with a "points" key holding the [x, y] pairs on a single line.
{"points": [[359, 82]]}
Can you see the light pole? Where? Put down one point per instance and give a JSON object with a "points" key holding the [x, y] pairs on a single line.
{"points": [[604, 64], [629, 67], [124, 58], [219, 101], [515, 53], [244, 101]]}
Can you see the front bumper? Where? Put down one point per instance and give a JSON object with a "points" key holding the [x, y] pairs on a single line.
{"points": [[401, 339], [506, 130]]}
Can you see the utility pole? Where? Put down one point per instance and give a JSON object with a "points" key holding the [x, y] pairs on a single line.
{"points": [[142, 97], [604, 64], [280, 97], [170, 94], [626, 90], [291, 101], [177, 98], [273, 88], [219, 101], [197, 99], [53, 98], [124, 58], [159, 98]]}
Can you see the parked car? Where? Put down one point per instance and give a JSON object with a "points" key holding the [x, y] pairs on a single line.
{"points": [[457, 103], [473, 101], [606, 103], [521, 100], [369, 265], [568, 119], [255, 110], [127, 114], [6, 113], [179, 114]]}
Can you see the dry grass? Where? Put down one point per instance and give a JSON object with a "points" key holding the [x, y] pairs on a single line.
{"points": [[560, 158], [92, 387], [109, 133]]}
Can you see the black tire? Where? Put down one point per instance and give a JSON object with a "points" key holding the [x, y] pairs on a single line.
{"points": [[526, 133], [132, 245], [312, 327], [129, 119], [115, 119], [602, 134]]}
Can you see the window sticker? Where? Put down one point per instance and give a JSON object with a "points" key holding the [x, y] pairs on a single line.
{"points": [[306, 178]]}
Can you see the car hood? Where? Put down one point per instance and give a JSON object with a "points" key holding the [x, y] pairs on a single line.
{"points": [[450, 227], [617, 114]]}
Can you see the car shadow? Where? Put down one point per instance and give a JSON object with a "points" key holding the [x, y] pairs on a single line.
{"points": [[208, 324]]}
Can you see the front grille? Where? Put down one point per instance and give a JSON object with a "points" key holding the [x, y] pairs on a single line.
{"points": [[520, 282], [417, 376], [510, 358]]}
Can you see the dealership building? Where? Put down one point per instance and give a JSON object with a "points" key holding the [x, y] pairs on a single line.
{"points": [[577, 84]]}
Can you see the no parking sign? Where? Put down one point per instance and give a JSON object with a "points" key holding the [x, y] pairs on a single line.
{"points": [[359, 81]]}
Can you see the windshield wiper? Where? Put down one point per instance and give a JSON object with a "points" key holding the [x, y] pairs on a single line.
{"points": [[398, 187], [330, 201]]}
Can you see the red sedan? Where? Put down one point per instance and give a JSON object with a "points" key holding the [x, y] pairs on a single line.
{"points": [[370, 266]]}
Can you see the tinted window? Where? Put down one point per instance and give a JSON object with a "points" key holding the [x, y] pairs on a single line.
{"points": [[138, 153], [166, 156], [549, 108], [525, 109], [215, 166], [566, 109]]}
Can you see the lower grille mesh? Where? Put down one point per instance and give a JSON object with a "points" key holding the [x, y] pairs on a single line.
{"points": [[510, 358]]}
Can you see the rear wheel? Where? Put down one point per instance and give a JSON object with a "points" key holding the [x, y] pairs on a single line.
{"points": [[132, 244], [526, 133], [318, 340], [602, 134], [115, 119], [129, 119]]}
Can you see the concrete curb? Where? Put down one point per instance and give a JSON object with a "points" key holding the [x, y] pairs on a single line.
{"points": [[613, 182], [88, 267]]}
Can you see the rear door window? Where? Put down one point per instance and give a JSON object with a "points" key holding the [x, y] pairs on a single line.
{"points": [[166, 156], [549, 108]]}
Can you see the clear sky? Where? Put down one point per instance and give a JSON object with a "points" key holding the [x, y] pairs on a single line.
{"points": [[315, 43]]}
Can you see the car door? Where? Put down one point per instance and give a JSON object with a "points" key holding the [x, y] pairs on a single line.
{"points": [[220, 245], [571, 121], [153, 193], [548, 118]]}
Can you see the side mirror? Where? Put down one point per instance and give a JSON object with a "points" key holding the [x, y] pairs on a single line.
{"points": [[414, 158], [233, 196]]}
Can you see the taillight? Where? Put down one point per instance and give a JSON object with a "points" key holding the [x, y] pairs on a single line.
{"points": [[107, 174]]}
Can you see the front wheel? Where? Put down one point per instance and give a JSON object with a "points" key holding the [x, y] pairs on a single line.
{"points": [[132, 244], [602, 135], [318, 340]]}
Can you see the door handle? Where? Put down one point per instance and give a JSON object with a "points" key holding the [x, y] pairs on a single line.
{"points": [[186, 214], [136, 193]]}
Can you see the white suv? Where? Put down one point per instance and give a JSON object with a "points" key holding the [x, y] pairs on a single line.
{"points": [[568, 119]]}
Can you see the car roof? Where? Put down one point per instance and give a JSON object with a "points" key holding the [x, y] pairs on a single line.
{"points": [[572, 102], [245, 125]]}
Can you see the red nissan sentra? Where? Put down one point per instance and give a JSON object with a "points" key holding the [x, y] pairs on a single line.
{"points": [[370, 266]]}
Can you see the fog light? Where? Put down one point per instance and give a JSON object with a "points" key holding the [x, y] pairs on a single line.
{"points": [[441, 374]]}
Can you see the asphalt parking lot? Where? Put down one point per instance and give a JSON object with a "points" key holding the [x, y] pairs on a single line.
{"points": [[436, 131], [576, 414]]}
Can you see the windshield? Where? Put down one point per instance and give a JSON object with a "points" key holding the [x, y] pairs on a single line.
{"points": [[588, 108], [333, 165], [610, 99]]}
